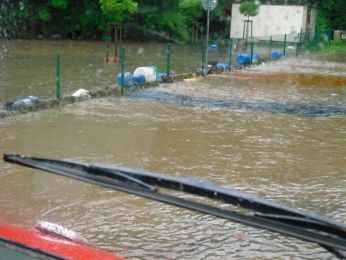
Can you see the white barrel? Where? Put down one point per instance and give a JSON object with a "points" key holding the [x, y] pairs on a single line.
{"points": [[147, 72]]}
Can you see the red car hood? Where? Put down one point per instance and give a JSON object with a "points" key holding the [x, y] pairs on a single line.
{"points": [[51, 244]]}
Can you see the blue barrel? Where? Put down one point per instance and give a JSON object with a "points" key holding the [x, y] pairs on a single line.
{"points": [[138, 79], [162, 75], [243, 59], [256, 58], [276, 55], [222, 67], [128, 79], [213, 47]]}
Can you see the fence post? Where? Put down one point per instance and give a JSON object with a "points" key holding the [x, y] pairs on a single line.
{"points": [[168, 61], [230, 54], [251, 51], [285, 39], [270, 47], [300, 37], [58, 77], [300, 42], [122, 69], [203, 60]]}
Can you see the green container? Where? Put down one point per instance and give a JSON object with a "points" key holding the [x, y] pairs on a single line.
{"points": [[157, 71]]}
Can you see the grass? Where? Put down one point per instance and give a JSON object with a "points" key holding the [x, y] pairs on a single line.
{"points": [[335, 46], [335, 51]]}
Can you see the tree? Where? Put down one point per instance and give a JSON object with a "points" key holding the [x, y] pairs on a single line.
{"points": [[248, 8], [114, 9]]}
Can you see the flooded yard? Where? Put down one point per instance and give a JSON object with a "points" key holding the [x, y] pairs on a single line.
{"points": [[265, 136]]}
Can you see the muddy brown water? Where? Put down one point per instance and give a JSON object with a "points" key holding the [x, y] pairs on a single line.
{"points": [[282, 141]]}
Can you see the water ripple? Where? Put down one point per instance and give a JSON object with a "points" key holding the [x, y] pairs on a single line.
{"points": [[301, 109]]}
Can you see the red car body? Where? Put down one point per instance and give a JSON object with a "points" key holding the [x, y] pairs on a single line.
{"points": [[50, 244]]}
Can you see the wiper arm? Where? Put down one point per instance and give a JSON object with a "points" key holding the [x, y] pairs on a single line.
{"points": [[268, 215]]}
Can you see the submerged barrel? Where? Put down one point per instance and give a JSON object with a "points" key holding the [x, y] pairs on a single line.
{"points": [[213, 47], [162, 75], [23, 102], [243, 59], [148, 72], [157, 71], [276, 55], [128, 79], [138, 79], [222, 67], [256, 58]]}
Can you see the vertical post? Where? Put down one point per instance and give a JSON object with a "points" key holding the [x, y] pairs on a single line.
{"points": [[58, 78], [108, 40], [203, 59], [107, 55], [285, 39], [115, 43], [251, 51], [168, 60], [207, 41], [244, 29], [300, 42], [230, 54], [270, 47], [122, 69], [300, 37]]}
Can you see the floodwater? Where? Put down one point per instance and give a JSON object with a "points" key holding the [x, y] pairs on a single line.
{"points": [[276, 139]]}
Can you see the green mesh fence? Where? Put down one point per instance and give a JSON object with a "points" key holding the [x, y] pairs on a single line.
{"points": [[86, 67], [27, 75]]}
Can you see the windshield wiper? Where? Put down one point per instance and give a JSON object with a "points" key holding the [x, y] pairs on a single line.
{"points": [[263, 214]]}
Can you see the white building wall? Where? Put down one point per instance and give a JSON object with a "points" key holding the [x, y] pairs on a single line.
{"points": [[272, 20]]}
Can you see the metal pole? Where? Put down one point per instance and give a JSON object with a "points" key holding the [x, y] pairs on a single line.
{"points": [[230, 54], [115, 43], [203, 59], [270, 47], [207, 41], [285, 39], [300, 37], [58, 79], [251, 51], [168, 61], [108, 36], [122, 68]]}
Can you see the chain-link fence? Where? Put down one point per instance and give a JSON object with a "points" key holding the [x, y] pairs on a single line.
{"points": [[51, 75]]}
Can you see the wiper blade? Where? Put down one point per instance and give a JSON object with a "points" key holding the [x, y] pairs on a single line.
{"points": [[267, 215]]}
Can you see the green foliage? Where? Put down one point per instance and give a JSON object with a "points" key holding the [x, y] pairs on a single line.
{"points": [[322, 21], [44, 14], [336, 46], [189, 4], [248, 8], [170, 22], [59, 4], [171, 18], [114, 9], [333, 13], [191, 9]]}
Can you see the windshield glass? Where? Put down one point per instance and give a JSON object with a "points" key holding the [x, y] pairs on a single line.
{"points": [[262, 109], [10, 250]]}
